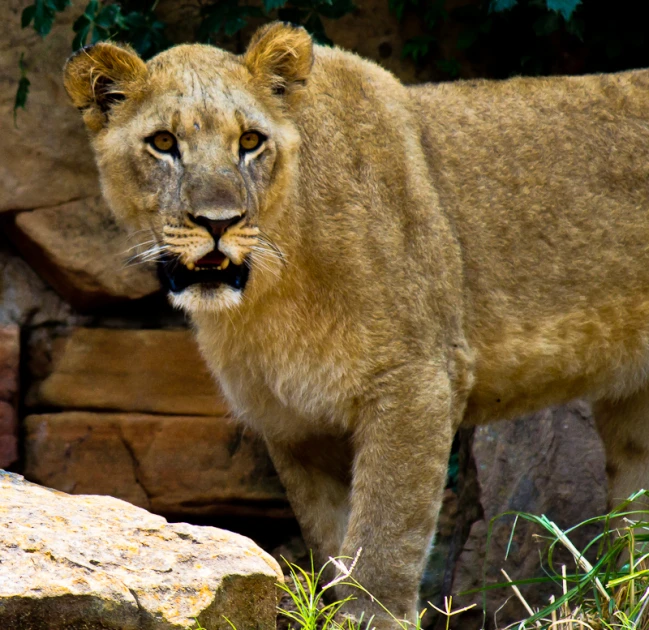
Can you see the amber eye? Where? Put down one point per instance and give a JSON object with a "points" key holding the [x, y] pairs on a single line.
{"points": [[163, 141], [250, 140]]}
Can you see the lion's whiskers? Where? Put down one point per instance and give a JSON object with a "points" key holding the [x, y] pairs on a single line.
{"points": [[153, 254], [260, 260], [143, 244], [267, 240]]}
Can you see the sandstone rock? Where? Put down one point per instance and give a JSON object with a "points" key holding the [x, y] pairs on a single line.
{"points": [[551, 463], [80, 251], [46, 158], [152, 371], [9, 365], [173, 465], [73, 562]]}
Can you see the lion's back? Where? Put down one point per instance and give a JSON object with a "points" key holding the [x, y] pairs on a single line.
{"points": [[546, 182]]}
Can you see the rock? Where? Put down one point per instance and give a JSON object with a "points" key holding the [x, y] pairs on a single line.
{"points": [[46, 158], [80, 251], [172, 465], [152, 371], [90, 562], [9, 366], [24, 298], [551, 463]]}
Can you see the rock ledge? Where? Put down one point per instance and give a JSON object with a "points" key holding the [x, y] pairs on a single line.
{"points": [[94, 562]]}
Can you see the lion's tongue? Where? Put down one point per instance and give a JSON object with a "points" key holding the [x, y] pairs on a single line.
{"points": [[215, 257]]}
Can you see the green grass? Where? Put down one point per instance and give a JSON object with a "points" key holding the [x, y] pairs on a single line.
{"points": [[608, 592], [310, 611], [605, 588]]}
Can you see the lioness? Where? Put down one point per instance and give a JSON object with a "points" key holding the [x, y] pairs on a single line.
{"points": [[368, 265]]}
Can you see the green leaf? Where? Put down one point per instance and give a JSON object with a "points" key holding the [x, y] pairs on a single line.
{"points": [[271, 5], [226, 16], [58, 5], [99, 34], [91, 9], [22, 92], [81, 22], [565, 7], [109, 17], [43, 18], [42, 14], [27, 15], [134, 20], [233, 25], [81, 37], [502, 5]]}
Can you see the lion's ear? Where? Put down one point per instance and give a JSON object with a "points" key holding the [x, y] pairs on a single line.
{"points": [[96, 77], [280, 55]]}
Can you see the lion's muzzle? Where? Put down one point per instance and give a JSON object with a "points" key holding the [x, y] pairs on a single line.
{"points": [[213, 268]]}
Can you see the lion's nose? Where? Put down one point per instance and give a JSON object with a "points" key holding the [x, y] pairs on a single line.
{"points": [[216, 227]]}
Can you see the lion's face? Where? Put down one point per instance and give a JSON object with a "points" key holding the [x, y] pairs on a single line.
{"points": [[196, 151]]}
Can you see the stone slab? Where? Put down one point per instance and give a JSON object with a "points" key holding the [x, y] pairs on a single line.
{"points": [[73, 562], [172, 465], [150, 371], [80, 251]]}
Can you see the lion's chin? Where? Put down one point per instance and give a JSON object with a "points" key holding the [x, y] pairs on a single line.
{"points": [[200, 298]]}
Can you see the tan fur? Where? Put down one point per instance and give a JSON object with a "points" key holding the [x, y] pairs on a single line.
{"points": [[419, 257]]}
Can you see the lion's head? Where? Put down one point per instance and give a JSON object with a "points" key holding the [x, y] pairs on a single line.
{"points": [[196, 151]]}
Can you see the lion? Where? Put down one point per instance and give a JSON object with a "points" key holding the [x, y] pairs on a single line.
{"points": [[367, 266]]}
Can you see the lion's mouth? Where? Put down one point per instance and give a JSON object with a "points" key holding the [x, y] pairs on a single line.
{"points": [[213, 269]]}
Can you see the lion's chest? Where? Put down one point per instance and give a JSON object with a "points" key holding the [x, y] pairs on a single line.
{"points": [[284, 382]]}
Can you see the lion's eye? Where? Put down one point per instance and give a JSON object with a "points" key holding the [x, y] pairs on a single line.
{"points": [[250, 140], [163, 141]]}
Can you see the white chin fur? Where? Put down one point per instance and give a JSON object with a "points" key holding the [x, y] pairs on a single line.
{"points": [[197, 299]]}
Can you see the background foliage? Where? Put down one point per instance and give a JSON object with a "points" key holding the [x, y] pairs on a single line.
{"points": [[492, 38], [501, 38]]}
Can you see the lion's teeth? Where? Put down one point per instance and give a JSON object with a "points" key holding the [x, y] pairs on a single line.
{"points": [[191, 266], [224, 264]]}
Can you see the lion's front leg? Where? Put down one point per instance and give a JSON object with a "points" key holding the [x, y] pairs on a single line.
{"points": [[402, 448], [316, 474]]}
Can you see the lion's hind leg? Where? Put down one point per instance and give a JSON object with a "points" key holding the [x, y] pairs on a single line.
{"points": [[624, 428]]}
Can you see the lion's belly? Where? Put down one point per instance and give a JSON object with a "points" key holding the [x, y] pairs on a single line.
{"points": [[592, 352]]}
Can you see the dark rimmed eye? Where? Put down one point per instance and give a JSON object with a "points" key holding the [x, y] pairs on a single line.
{"points": [[164, 142], [250, 140]]}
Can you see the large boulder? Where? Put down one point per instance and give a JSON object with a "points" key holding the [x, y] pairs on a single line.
{"points": [[173, 465], [93, 562], [46, 158], [82, 253], [150, 371], [9, 366]]}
